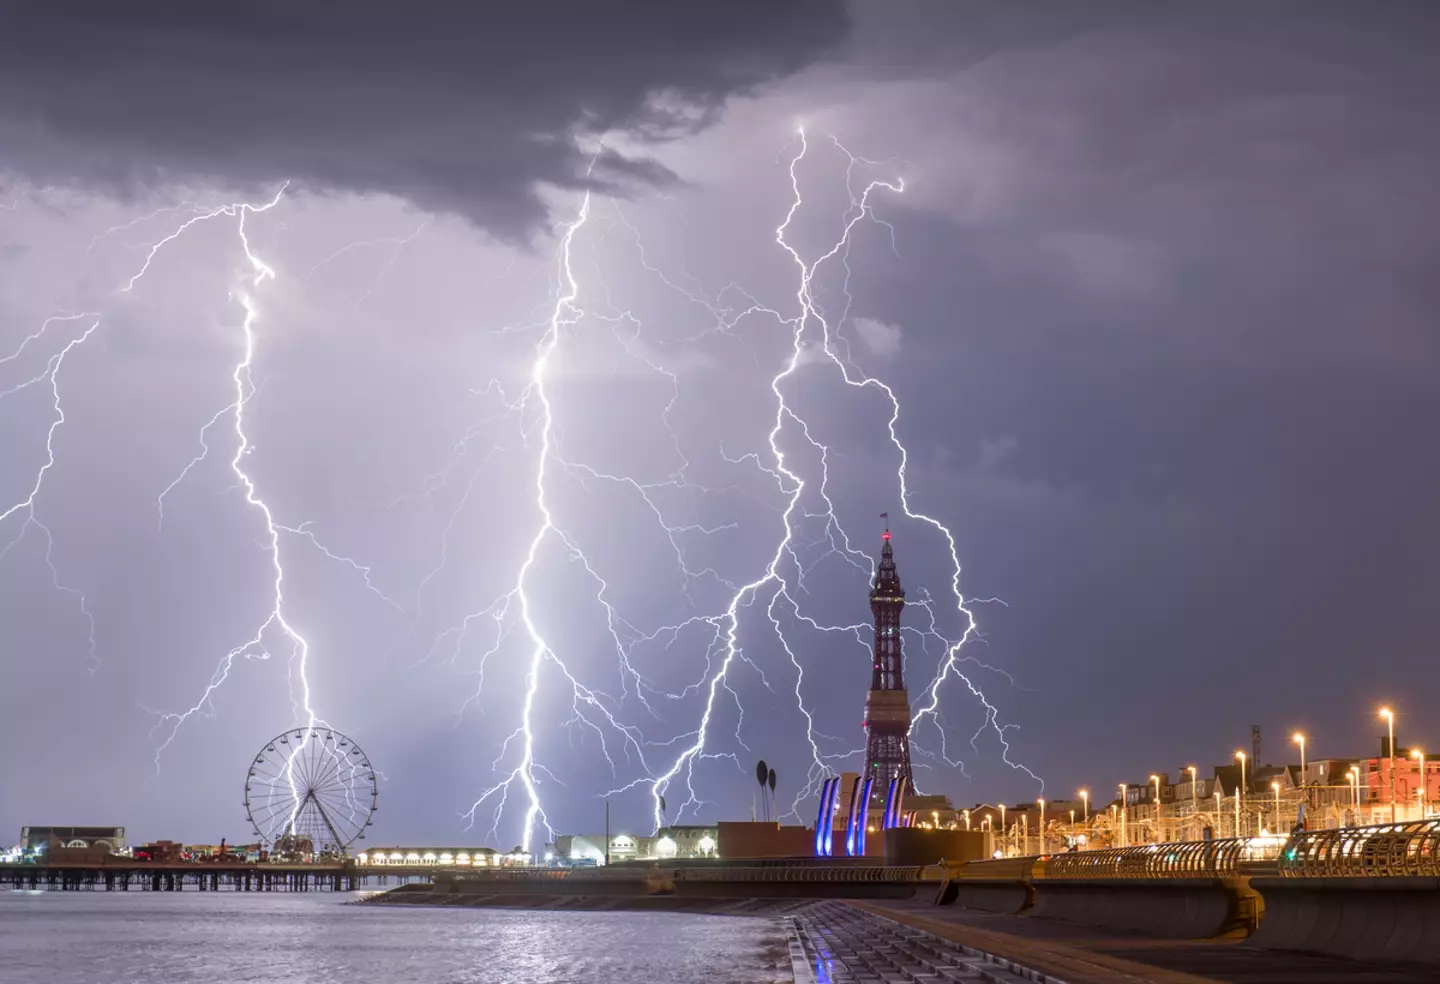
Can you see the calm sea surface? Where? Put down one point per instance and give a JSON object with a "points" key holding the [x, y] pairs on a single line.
{"points": [[313, 938]]}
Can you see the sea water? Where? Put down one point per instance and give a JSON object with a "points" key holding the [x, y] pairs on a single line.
{"points": [[314, 938]]}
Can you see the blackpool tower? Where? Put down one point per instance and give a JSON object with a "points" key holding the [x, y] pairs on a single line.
{"points": [[887, 711]]}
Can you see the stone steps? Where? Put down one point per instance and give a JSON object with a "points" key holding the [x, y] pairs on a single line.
{"points": [[832, 943]]}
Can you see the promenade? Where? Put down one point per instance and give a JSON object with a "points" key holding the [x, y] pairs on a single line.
{"points": [[1076, 954]]}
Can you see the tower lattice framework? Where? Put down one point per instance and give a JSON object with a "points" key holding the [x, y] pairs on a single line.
{"points": [[887, 710]]}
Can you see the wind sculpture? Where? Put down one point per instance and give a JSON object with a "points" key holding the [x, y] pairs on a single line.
{"points": [[856, 820]]}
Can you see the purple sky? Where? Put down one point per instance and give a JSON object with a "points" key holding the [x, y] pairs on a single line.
{"points": [[1157, 302]]}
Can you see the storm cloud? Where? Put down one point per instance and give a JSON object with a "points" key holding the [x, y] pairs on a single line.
{"points": [[456, 107]]}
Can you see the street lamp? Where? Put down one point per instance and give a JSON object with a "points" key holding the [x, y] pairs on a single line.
{"points": [[967, 819], [1424, 790], [1354, 776], [1239, 792], [1194, 790], [1389, 717], [1156, 780], [1041, 831], [1085, 806], [1124, 794], [1276, 786], [1004, 831], [1299, 739]]}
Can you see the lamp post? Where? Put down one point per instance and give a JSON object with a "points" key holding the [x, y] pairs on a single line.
{"points": [[967, 819], [1299, 739], [1040, 834], [1004, 831], [1194, 792], [1159, 836], [1354, 776], [1085, 806], [1239, 792], [1124, 792], [1217, 808], [1389, 717], [1423, 791], [1276, 786]]}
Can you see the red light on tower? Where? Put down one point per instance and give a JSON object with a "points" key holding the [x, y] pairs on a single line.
{"points": [[886, 534]]}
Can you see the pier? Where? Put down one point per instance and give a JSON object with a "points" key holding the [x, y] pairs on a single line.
{"points": [[239, 876]]}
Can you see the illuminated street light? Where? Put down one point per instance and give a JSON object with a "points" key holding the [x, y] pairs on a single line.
{"points": [[1194, 790], [1239, 792], [1085, 800], [1156, 780], [1389, 717], [1124, 795], [1299, 739], [1354, 775], [1276, 786], [967, 819], [1041, 831]]}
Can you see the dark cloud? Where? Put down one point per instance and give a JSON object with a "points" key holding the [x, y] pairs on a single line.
{"points": [[1249, 181], [453, 106]]}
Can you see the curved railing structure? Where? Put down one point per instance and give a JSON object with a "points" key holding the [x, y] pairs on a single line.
{"points": [[1382, 851], [1190, 859]]}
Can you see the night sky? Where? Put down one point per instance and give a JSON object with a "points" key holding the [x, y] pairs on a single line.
{"points": [[1158, 302]]}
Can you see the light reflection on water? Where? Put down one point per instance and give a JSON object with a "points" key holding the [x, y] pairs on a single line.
{"points": [[160, 938]]}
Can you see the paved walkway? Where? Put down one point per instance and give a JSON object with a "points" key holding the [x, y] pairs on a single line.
{"points": [[1077, 954], [834, 943]]}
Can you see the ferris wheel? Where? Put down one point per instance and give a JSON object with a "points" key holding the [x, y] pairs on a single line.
{"points": [[310, 791]]}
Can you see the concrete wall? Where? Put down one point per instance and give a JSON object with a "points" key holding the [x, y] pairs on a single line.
{"points": [[744, 839], [987, 895], [1369, 919], [918, 846], [1181, 908]]}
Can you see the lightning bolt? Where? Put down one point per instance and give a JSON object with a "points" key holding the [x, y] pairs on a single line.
{"points": [[26, 507], [275, 626], [275, 623], [777, 588], [792, 463]]}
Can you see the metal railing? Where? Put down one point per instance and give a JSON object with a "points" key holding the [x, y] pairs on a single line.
{"points": [[1190, 859], [1383, 851]]}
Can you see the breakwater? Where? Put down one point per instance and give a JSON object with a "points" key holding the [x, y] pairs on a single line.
{"points": [[729, 888]]}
